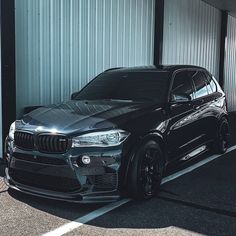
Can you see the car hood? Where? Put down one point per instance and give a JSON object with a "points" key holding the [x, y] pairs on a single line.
{"points": [[83, 116]]}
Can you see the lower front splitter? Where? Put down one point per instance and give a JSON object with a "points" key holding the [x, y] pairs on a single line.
{"points": [[76, 197]]}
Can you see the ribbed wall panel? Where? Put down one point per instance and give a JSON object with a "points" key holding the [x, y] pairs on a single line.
{"points": [[192, 34], [62, 44], [230, 65]]}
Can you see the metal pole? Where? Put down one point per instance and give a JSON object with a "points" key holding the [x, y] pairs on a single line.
{"points": [[159, 26], [224, 26]]}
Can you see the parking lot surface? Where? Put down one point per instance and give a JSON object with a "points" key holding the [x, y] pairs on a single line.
{"points": [[201, 202]]}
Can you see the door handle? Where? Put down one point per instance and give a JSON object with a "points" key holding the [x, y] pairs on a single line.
{"points": [[197, 107]]}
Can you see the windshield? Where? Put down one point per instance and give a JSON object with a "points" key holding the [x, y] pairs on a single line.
{"points": [[135, 86]]}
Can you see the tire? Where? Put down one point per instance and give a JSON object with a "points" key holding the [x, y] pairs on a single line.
{"points": [[145, 172], [221, 142]]}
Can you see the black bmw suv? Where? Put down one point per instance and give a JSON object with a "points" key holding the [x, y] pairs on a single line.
{"points": [[118, 134]]}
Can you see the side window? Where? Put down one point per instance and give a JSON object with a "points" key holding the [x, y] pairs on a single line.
{"points": [[213, 86], [182, 88], [200, 83], [212, 83], [208, 84]]}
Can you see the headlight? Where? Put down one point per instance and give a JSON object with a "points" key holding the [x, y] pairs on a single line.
{"points": [[100, 139], [12, 131]]}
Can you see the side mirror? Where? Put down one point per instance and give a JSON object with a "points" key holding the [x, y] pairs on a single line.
{"points": [[180, 97], [74, 95]]}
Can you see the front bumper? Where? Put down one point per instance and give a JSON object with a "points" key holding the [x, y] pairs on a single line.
{"points": [[75, 197], [64, 177]]}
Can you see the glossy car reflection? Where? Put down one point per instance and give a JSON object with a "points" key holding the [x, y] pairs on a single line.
{"points": [[117, 135]]}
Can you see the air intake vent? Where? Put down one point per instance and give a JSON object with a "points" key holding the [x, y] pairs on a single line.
{"points": [[52, 143], [108, 181], [55, 183], [24, 140], [39, 159]]}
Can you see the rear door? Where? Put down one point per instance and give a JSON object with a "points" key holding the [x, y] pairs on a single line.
{"points": [[202, 102]]}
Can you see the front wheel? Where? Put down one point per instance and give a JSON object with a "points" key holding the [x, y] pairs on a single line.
{"points": [[145, 172]]}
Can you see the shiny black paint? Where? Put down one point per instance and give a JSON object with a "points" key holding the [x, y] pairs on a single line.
{"points": [[179, 128]]}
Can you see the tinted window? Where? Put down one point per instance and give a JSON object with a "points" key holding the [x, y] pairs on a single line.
{"points": [[209, 88], [182, 84], [127, 86], [211, 84], [200, 83]]}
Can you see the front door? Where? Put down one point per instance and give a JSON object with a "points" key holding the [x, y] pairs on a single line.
{"points": [[183, 134]]}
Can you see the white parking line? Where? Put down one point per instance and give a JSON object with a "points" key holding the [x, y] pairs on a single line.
{"points": [[101, 211], [84, 219]]}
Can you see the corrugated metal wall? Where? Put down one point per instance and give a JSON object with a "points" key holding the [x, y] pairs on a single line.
{"points": [[230, 64], [192, 34], [62, 44]]}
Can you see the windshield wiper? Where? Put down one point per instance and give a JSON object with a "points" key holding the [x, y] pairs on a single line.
{"points": [[116, 100], [144, 99]]}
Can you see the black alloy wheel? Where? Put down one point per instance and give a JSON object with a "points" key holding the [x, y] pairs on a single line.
{"points": [[145, 173], [224, 136], [222, 141]]}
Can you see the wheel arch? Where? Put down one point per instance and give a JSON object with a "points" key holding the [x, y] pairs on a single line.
{"points": [[152, 136], [224, 116]]}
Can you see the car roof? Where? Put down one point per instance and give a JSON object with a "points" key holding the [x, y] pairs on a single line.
{"points": [[160, 68]]}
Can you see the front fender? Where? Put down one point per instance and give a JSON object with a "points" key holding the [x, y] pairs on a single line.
{"points": [[155, 136]]}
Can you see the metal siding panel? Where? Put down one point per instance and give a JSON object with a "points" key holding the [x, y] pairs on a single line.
{"points": [[230, 62], [192, 34], [62, 44]]}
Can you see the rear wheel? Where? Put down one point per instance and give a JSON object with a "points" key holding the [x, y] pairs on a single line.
{"points": [[221, 143], [145, 173]]}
